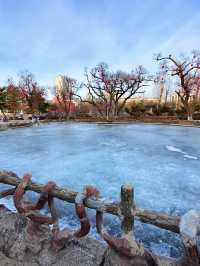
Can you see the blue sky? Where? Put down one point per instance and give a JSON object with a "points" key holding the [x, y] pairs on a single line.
{"points": [[50, 37]]}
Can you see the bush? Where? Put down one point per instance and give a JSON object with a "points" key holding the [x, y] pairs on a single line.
{"points": [[181, 113], [136, 108], [197, 107], [196, 116], [165, 108], [151, 108]]}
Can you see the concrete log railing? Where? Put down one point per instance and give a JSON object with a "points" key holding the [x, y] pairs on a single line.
{"points": [[158, 219], [188, 226]]}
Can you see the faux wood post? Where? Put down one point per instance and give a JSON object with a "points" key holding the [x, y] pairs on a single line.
{"points": [[127, 205]]}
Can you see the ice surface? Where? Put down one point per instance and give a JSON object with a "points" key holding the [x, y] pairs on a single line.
{"points": [[161, 162]]}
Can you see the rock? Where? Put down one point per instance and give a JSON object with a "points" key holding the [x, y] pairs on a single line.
{"points": [[20, 246], [112, 258]]}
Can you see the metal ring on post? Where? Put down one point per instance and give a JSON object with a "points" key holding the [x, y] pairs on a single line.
{"points": [[19, 192], [44, 197], [28, 208], [88, 191], [60, 237], [121, 245]]}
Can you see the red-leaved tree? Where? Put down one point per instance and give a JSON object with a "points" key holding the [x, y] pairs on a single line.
{"points": [[33, 96]]}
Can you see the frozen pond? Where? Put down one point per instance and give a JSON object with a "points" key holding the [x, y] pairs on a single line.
{"points": [[161, 162]]}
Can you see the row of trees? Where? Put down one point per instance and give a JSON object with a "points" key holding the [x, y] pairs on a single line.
{"points": [[107, 92]]}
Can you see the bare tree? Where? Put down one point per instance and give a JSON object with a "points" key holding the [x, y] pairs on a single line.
{"points": [[109, 91], [32, 94], [3, 101], [64, 92], [185, 69], [197, 87], [161, 84], [128, 84]]}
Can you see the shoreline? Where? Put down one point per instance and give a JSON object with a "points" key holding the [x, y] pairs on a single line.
{"points": [[174, 122], [15, 124], [151, 121]]}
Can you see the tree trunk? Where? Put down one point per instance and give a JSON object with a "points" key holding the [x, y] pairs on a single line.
{"points": [[107, 112], [4, 115], [69, 110], [189, 117], [189, 112]]}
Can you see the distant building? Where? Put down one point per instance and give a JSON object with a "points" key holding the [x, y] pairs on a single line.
{"points": [[59, 84], [58, 100]]}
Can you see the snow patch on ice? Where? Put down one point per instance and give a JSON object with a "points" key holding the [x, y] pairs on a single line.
{"points": [[175, 149], [190, 157], [172, 148]]}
